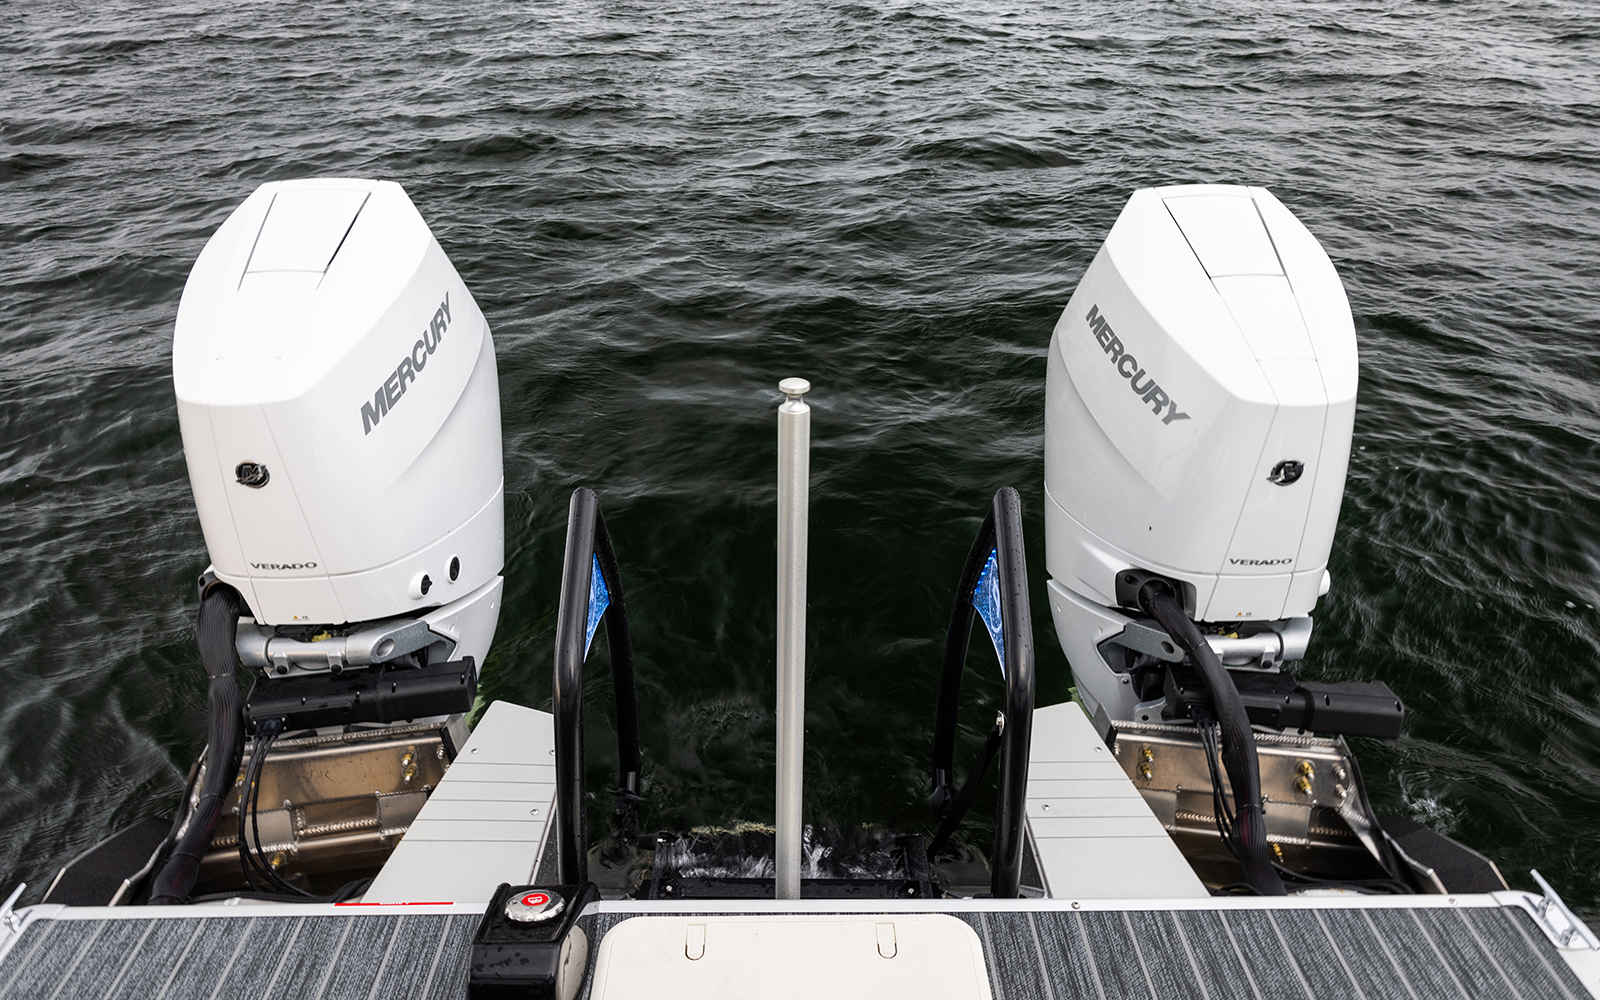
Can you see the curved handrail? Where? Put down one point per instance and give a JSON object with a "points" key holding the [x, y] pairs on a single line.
{"points": [[994, 585], [590, 590]]}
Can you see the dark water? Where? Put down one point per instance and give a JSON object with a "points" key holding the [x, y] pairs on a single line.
{"points": [[663, 209]]}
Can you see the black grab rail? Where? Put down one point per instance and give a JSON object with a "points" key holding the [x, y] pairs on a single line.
{"points": [[590, 590], [994, 586]]}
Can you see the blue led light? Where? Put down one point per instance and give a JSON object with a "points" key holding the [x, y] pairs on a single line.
{"points": [[599, 600], [986, 599]]}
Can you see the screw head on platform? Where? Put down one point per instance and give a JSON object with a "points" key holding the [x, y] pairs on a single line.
{"points": [[794, 388]]}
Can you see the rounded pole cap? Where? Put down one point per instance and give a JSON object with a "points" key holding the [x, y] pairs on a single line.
{"points": [[794, 388]]}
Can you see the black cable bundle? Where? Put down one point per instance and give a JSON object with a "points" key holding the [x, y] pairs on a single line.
{"points": [[271, 885], [251, 859], [1206, 723], [215, 631], [1238, 750]]}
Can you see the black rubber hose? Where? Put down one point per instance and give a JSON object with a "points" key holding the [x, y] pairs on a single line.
{"points": [[1238, 741], [218, 625]]}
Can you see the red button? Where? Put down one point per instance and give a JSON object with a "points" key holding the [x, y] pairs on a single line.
{"points": [[534, 907]]}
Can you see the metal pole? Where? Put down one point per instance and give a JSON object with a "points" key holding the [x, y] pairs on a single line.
{"points": [[794, 499]]}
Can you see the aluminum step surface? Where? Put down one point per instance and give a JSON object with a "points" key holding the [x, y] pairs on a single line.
{"points": [[1095, 836], [486, 821]]}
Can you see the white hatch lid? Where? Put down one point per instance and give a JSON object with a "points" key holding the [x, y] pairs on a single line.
{"points": [[918, 956]]}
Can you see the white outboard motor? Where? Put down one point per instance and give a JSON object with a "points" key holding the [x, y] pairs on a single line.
{"points": [[340, 411], [1200, 402]]}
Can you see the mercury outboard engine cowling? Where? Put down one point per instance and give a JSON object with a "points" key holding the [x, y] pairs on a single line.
{"points": [[340, 412], [1200, 403]]}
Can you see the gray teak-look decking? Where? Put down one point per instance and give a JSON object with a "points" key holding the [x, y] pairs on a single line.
{"points": [[1034, 950]]}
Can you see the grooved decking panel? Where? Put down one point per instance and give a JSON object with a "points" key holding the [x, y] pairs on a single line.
{"points": [[1287, 953]]}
